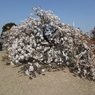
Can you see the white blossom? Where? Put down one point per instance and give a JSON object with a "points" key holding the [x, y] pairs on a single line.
{"points": [[31, 68], [43, 70], [27, 72]]}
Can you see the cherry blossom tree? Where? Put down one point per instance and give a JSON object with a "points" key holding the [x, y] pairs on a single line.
{"points": [[42, 43]]}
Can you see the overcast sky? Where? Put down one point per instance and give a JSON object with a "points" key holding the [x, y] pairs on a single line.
{"points": [[81, 12]]}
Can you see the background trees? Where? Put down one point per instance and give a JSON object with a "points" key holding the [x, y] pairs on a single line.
{"points": [[7, 27], [93, 34]]}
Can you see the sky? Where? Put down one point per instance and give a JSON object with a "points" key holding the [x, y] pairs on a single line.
{"points": [[81, 12]]}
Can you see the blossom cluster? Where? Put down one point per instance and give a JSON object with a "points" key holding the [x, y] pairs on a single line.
{"points": [[43, 43]]}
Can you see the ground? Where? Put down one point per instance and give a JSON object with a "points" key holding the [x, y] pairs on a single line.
{"points": [[53, 83]]}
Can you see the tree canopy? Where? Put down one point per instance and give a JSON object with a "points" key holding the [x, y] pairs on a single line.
{"points": [[7, 27], [93, 32]]}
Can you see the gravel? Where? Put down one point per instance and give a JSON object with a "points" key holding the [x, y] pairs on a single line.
{"points": [[52, 83]]}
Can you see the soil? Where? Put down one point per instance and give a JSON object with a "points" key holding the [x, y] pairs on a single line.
{"points": [[52, 83]]}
